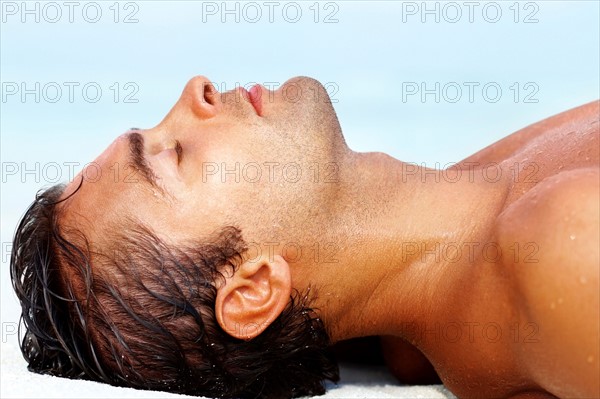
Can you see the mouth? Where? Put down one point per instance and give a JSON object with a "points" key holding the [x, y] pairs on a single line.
{"points": [[254, 97]]}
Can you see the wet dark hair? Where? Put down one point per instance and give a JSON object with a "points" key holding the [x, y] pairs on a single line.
{"points": [[141, 314]]}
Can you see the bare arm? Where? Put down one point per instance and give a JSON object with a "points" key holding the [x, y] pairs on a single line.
{"points": [[407, 363]]}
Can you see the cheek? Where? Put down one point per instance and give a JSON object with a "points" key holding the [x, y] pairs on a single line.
{"points": [[229, 165], [216, 195], [227, 174]]}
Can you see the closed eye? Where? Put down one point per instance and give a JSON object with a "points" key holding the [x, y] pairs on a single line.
{"points": [[179, 151]]}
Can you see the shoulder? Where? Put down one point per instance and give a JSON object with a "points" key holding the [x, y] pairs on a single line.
{"points": [[555, 224], [550, 239], [579, 119], [562, 209]]}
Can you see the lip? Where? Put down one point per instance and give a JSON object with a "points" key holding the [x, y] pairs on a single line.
{"points": [[255, 95]]}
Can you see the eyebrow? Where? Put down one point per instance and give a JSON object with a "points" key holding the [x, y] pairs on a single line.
{"points": [[138, 159]]}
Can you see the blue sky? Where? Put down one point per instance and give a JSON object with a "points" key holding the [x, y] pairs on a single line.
{"points": [[534, 59]]}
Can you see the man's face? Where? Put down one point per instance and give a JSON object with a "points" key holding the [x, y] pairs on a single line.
{"points": [[263, 161]]}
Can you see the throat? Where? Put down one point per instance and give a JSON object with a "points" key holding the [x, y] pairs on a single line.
{"points": [[406, 241]]}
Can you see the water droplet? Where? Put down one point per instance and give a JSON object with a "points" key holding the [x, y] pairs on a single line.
{"points": [[572, 236], [590, 359], [552, 306], [583, 280], [560, 167], [560, 301], [587, 158]]}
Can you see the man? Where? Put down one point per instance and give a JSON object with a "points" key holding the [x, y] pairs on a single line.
{"points": [[222, 251]]}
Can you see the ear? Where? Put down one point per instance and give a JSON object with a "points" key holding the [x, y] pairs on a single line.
{"points": [[200, 95], [250, 300]]}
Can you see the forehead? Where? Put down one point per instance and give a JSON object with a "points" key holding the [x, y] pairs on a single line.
{"points": [[108, 186], [113, 192]]}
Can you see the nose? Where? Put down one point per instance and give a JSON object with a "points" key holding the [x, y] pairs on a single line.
{"points": [[201, 97]]}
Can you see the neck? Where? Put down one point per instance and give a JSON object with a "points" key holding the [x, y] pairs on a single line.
{"points": [[401, 240]]}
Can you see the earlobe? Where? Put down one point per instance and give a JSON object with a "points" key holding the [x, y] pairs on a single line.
{"points": [[250, 300]]}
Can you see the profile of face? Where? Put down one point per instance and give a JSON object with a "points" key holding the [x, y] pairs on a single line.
{"points": [[135, 279], [250, 159]]}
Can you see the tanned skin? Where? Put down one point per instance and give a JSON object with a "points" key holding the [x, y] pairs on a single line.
{"points": [[489, 271], [550, 292]]}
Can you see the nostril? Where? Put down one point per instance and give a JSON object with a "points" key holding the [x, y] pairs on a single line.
{"points": [[209, 93], [201, 97]]}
